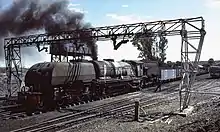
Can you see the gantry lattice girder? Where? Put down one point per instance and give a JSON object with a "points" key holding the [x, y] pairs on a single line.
{"points": [[188, 29], [173, 27], [190, 66], [13, 68]]}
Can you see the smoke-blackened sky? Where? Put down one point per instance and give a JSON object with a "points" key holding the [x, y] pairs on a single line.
{"points": [[23, 16]]}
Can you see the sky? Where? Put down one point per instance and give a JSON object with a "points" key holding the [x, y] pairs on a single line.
{"points": [[112, 12]]}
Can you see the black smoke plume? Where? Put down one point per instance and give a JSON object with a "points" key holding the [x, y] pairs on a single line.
{"points": [[23, 16]]}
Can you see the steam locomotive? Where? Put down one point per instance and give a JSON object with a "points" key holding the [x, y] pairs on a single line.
{"points": [[52, 84], [56, 84]]}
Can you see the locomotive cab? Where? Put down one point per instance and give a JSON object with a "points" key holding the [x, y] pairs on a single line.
{"points": [[137, 67]]}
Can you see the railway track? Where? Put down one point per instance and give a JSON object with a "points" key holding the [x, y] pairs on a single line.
{"points": [[119, 106], [105, 109], [82, 115], [11, 112], [104, 114], [78, 114], [78, 118], [94, 111]]}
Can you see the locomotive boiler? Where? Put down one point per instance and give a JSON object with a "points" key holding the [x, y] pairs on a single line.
{"points": [[53, 84]]}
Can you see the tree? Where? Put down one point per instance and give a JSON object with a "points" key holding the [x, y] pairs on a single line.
{"points": [[148, 46], [144, 43], [162, 48]]}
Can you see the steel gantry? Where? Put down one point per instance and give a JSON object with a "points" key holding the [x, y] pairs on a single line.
{"points": [[189, 29]]}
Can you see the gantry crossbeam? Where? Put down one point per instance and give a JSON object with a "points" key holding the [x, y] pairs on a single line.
{"points": [[108, 32]]}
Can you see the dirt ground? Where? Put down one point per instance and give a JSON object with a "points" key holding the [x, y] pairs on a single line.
{"points": [[205, 116], [157, 117]]}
